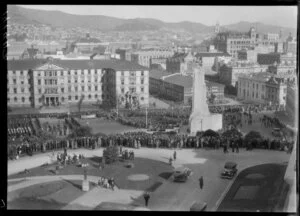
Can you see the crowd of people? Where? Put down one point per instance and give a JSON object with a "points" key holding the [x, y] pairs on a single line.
{"points": [[106, 183], [142, 139], [17, 127], [159, 120]]}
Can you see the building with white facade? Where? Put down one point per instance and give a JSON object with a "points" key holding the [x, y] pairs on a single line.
{"points": [[229, 73], [36, 83], [262, 88], [143, 57]]}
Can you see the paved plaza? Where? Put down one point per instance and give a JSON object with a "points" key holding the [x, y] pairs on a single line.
{"points": [[169, 196]]}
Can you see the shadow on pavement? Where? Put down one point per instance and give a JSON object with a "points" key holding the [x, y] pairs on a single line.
{"points": [[165, 175]]}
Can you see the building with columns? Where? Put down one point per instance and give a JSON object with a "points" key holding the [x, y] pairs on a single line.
{"points": [[40, 82], [262, 88]]}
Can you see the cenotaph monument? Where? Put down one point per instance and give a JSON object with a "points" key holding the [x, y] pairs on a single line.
{"points": [[201, 119]]}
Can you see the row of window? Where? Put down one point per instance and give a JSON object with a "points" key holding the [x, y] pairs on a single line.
{"points": [[54, 82], [49, 82], [15, 99], [15, 82], [132, 73], [132, 81], [132, 90], [240, 42], [61, 73], [15, 90], [49, 91]]}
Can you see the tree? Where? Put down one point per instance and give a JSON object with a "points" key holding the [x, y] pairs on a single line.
{"points": [[111, 154], [253, 136], [232, 133], [81, 131], [210, 133]]}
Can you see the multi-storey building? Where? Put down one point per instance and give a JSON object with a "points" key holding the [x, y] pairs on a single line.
{"points": [[232, 42], [271, 37], [158, 63], [290, 45], [292, 104], [178, 87], [143, 57], [229, 73], [208, 59], [178, 63], [87, 44], [262, 88], [268, 59], [247, 55], [288, 59], [39, 83]]}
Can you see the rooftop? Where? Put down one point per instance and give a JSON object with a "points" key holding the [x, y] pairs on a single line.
{"points": [[263, 77], [118, 65], [211, 54], [157, 74], [187, 81], [178, 79], [88, 40]]}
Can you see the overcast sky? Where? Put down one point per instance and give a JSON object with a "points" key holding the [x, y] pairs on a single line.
{"points": [[285, 16]]}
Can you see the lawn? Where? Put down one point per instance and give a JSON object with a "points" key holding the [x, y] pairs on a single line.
{"points": [[105, 126], [51, 196], [157, 171], [257, 187]]}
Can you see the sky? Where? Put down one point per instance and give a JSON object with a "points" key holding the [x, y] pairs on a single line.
{"points": [[285, 16]]}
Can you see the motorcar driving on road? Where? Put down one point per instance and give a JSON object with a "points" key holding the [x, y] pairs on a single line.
{"points": [[181, 174], [230, 169]]}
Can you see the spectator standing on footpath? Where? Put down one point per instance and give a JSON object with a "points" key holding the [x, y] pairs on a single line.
{"points": [[174, 155], [146, 197], [237, 147], [201, 182]]}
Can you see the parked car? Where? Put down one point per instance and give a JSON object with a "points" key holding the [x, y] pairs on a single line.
{"points": [[230, 169], [198, 206], [181, 174]]}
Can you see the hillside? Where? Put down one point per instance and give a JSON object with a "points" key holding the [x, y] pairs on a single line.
{"points": [[59, 19], [260, 27]]}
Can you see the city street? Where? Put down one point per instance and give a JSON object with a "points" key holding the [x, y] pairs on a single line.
{"points": [[179, 196]]}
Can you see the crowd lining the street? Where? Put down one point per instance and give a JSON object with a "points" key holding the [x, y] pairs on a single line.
{"points": [[232, 116]]}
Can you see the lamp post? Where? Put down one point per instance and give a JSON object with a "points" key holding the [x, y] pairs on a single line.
{"points": [[146, 118]]}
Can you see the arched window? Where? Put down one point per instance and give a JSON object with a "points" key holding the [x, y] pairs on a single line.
{"points": [[16, 99], [23, 99], [96, 96], [90, 96], [62, 99]]}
